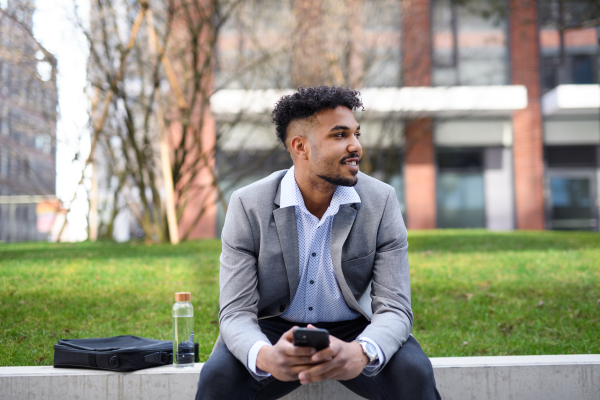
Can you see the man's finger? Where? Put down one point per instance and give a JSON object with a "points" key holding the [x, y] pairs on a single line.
{"points": [[306, 361], [333, 374], [329, 352], [333, 339], [319, 372], [323, 355], [294, 370], [289, 334], [297, 351], [326, 354], [288, 349]]}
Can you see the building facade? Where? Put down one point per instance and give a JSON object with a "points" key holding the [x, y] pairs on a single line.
{"points": [[482, 114], [28, 113]]}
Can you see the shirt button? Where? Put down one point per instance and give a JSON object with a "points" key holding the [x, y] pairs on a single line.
{"points": [[309, 308], [314, 254], [311, 282]]}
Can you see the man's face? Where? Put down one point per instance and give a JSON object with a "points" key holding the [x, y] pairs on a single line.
{"points": [[334, 148]]}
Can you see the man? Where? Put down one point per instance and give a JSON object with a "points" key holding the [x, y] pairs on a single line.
{"points": [[307, 247]]}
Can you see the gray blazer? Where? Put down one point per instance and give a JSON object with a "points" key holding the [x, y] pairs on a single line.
{"points": [[260, 272]]}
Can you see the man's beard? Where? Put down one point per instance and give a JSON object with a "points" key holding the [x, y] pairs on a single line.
{"points": [[339, 180]]}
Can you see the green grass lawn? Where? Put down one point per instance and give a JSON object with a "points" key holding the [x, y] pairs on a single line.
{"points": [[474, 293]]}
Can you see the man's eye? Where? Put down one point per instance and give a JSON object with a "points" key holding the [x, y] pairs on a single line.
{"points": [[357, 134]]}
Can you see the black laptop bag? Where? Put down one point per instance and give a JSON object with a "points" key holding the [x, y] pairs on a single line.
{"points": [[117, 353]]}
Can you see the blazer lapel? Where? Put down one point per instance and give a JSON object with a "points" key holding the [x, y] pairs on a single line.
{"points": [[342, 223], [285, 221]]}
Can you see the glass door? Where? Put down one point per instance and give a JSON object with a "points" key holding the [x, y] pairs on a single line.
{"points": [[460, 188], [572, 200]]}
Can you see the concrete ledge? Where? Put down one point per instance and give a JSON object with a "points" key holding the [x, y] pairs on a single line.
{"points": [[572, 100], [48, 383], [491, 378], [519, 377], [447, 101]]}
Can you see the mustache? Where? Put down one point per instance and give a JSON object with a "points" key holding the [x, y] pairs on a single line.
{"points": [[353, 155]]}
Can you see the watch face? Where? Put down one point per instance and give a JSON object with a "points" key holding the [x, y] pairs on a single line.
{"points": [[371, 349]]}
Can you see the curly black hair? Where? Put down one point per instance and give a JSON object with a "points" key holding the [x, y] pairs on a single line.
{"points": [[308, 101]]}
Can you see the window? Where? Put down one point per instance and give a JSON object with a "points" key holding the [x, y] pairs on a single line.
{"points": [[12, 123], [13, 166], [460, 190], [549, 73], [5, 79], [469, 43], [4, 162], [19, 15], [385, 163], [568, 42], [583, 69], [460, 160], [571, 203], [571, 156], [39, 141], [460, 197], [26, 171], [382, 24]]}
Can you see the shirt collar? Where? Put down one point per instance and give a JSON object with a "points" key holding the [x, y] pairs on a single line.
{"points": [[291, 195]]}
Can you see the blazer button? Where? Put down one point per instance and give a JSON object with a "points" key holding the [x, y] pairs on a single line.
{"points": [[281, 308]]}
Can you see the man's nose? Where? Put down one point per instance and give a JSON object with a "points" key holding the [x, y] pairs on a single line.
{"points": [[354, 146]]}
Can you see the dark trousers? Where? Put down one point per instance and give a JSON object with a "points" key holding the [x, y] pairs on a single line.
{"points": [[408, 374]]}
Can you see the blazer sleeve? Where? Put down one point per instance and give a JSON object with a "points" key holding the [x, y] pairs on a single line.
{"points": [[392, 319], [238, 300]]}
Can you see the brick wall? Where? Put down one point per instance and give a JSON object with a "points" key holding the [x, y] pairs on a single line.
{"points": [[308, 66], [196, 209], [419, 174], [202, 194], [416, 42], [527, 123], [419, 169]]}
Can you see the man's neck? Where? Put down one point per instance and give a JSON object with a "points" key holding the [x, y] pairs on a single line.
{"points": [[316, 193]]}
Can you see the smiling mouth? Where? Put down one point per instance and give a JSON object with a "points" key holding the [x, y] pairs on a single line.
{"points": [[353, 163]]}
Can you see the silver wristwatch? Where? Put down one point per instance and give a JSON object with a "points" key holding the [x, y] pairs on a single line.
{"points": [[370, 351]]}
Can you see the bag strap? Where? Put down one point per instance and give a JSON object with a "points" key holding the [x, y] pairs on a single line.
{"points": [[160, 357]]}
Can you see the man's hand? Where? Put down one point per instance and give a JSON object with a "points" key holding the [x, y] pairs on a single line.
{"points": [[284, 360], [341, 361]]}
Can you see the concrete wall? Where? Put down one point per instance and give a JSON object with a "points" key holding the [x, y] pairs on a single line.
{"points": [[572, 131], [491, 378], [498, 186], [473, 133], [260, 135]]}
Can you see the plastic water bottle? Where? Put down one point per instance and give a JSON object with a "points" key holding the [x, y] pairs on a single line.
{"points": [[183, 330]]}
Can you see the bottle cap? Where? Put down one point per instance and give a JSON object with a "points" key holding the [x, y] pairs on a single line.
{"points": [[183, 296]]}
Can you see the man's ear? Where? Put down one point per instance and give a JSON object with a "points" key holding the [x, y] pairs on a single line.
{"points": [[299, 147]]}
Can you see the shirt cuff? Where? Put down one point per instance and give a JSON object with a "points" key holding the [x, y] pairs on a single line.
{"points": [[371, 370], [253, 355]]}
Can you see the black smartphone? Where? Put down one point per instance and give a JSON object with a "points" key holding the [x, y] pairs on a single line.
{"points": [[316, 338]]}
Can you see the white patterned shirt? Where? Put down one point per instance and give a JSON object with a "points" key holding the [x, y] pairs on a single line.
{"points": [[318, 297]]}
